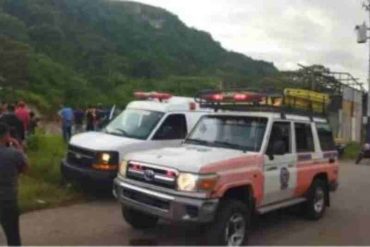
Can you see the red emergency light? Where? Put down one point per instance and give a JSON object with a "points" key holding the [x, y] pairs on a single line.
{"points": [[248, 96], [152, 95], [214, 97], [234, 97]]}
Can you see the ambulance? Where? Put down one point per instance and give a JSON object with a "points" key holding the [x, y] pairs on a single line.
{"points": [[256, 153], [154, 120]]}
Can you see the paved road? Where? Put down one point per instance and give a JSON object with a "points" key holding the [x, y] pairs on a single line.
{"points": [[347, 222]]}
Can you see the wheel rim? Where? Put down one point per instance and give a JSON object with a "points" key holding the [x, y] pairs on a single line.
{"points": [[319, 200], [235, 230]]}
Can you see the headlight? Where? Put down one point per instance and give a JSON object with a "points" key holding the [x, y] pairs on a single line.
{"points": [[196, 183], [106, 161], [105, 157], [123, 168]]}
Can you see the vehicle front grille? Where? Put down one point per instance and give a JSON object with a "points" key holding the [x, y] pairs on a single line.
{"points": [[80, 157], [152, 175]]}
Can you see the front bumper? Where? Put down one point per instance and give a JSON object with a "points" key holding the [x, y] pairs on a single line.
{"points": [[79, 174], [168, 206]]}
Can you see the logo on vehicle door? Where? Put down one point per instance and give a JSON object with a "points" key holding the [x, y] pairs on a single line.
{"points": [[149, 175], [284, 178]]}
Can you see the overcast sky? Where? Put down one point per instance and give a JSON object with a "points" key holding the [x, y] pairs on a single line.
{"points": [[285, 32]]}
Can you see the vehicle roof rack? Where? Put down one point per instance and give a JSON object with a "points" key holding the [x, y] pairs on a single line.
{"points": [[290, 101]]}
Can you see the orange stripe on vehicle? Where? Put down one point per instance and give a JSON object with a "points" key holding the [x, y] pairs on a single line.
{"points": [[245, 170], [306, 171]]}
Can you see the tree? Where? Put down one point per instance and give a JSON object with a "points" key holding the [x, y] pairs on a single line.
{"points": [[12, 28], [13, 64]]}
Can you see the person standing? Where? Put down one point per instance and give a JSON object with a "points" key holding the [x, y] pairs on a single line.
{"points": [[79, 120], [67, 117], [23, 114], [16, 126], [90, 119], [34, 121], [13, 162]]}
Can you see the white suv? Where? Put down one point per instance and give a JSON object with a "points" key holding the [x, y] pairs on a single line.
{"points": [[231, 165]]}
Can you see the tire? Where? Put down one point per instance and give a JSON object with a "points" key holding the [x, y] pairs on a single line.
{"points": [[137, 219], [315, 206], [230, 214]]}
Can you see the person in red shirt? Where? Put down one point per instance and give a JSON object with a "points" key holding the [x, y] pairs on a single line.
{"points": [[23, 114]]}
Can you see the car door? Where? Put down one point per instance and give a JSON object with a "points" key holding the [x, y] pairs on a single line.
{"points": [[171, 132], [279, 169], [308, 153]]}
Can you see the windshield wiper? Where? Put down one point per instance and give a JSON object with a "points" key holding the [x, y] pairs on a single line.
{"points": [[198, 141], [232, 145], [117, 131]]}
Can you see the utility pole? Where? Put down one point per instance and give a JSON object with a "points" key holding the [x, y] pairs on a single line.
{"points": [[363, 37], [367, 7]]}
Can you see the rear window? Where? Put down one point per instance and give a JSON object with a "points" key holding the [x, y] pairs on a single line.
{"points": [[304, 138], [325, 136]]}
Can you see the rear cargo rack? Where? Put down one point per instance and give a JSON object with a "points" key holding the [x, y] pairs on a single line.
{"points": [[290, 101]]}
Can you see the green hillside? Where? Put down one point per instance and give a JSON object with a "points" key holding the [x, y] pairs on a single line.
{"points": [[90, 51]]}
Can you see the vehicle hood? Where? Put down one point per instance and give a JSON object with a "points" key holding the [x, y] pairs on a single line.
{"points": [[187, 158], [100, 141]]}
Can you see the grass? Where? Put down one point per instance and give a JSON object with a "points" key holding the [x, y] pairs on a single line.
{"points": [[42, 186], [35, 194]]}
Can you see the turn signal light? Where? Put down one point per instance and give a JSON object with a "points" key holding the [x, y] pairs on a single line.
{"points": [[207, 184], [105, 167]]}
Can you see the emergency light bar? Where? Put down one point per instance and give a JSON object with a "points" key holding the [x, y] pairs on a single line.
{"points": [[232, 97], [152, 95], [290, 100]]}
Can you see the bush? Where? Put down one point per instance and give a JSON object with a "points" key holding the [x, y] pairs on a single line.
{"points": [[351, 150]]}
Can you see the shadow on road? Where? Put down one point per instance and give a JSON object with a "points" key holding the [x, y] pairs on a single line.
{"points": [[95, 192], [188, 235]]}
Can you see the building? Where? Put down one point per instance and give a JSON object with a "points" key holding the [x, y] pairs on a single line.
{"points": [[347, 107]]}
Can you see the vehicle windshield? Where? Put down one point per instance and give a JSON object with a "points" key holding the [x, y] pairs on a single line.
{"points": [[242, 133], [134, 123]]}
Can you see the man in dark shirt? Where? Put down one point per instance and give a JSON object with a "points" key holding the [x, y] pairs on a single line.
{"points": [[12, 162], [16, 126], [79, 116]]}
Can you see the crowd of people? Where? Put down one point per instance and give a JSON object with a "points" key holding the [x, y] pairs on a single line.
{"points": [[21, 120], [79, 120]]}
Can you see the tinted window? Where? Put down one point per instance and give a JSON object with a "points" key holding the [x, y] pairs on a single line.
{"points": [[325, 137], [243, 133], [173, 128], [304, 138], [280, 133]]}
